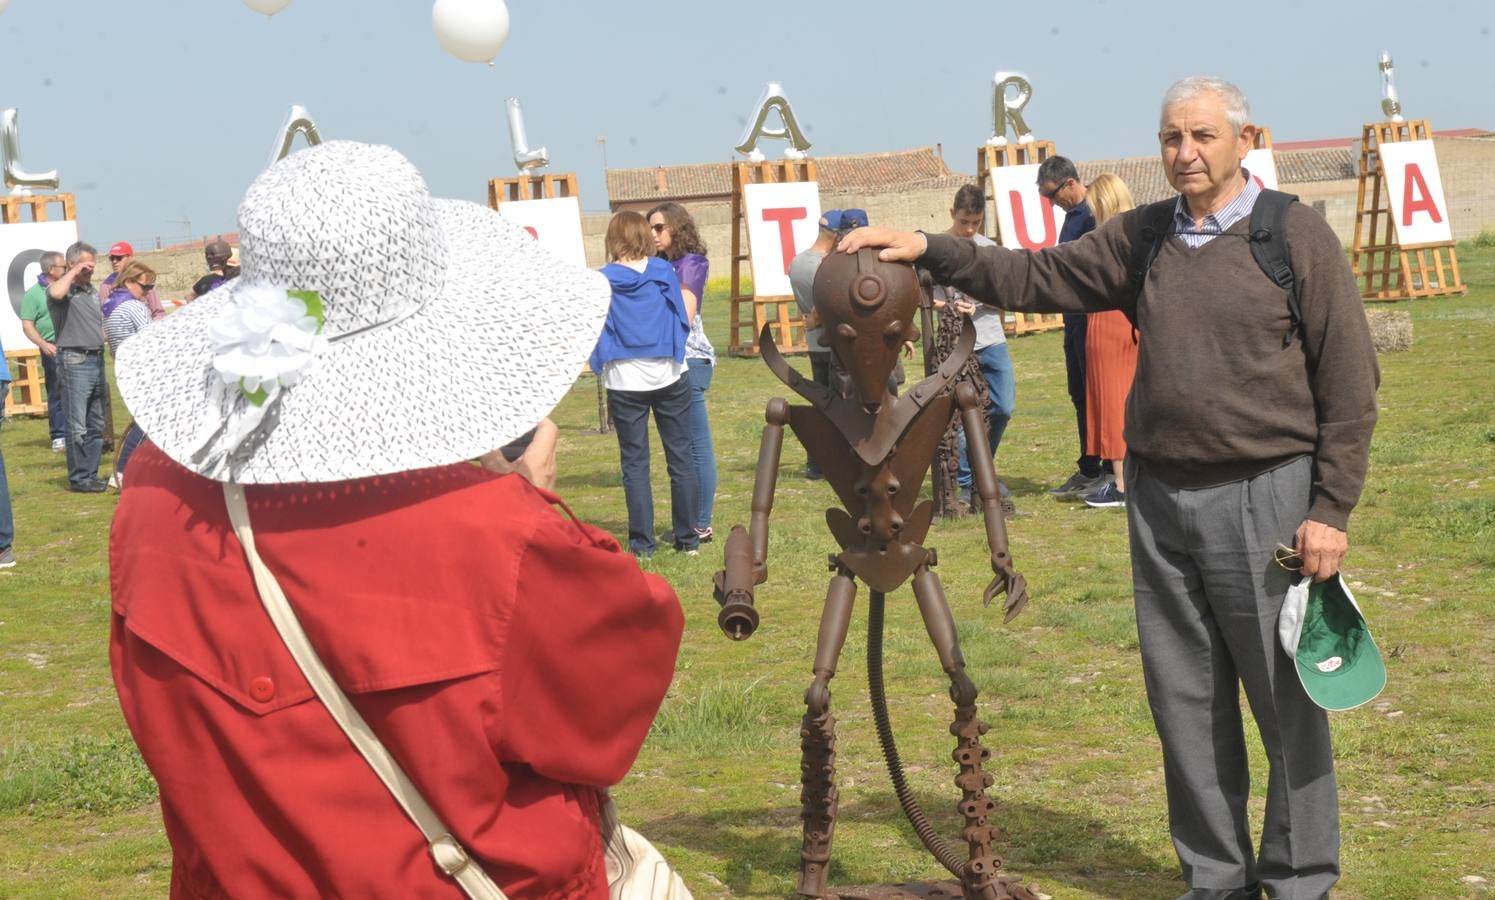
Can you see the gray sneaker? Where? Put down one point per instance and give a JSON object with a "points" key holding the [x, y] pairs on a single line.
{"points": [[1078, 485], [7, 559]]}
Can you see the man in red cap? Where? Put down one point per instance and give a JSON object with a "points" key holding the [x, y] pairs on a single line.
{"points": [[120, 254]]}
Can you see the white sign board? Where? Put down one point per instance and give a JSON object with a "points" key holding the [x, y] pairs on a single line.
{"points": [[21, 247], [1416, 191], [555, 223], [1262, 166], [1025, 220], [783, 219]]}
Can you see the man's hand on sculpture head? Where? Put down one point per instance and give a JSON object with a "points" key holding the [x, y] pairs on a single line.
{"points": [[898, 246], [537, 464], [1323, 548]]}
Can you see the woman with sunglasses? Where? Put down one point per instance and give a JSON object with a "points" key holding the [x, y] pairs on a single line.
{"points": [[125, 314], [680, 244]]}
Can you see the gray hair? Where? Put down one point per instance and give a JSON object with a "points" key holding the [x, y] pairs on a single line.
{"points": [[1237, 110], [76, 251], [49, 259]]}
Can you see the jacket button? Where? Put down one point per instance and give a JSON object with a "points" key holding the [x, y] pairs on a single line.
{"points": [[262, 689]]}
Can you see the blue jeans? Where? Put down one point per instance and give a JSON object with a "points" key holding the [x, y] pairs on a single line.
{"points": [[1001, 388], [83, 389], [7, 521], [699, 371], [56, 421], [133, 436], [630, 415]]}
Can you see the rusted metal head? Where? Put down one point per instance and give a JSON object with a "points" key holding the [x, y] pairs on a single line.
{"points": [[867, 309]]}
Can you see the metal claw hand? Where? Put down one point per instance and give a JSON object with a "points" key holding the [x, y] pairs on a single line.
{"points": [[1015, 586]]}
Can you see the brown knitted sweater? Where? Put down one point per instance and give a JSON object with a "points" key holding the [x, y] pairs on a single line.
{"points": [[1217, 397]]}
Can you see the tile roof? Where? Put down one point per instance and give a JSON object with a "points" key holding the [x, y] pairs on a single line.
{"points": [[880, 172], [1144, 174]]}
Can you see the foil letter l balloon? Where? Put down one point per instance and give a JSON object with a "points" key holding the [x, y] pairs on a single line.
{"points": [[1006, 109], [524, 157], [1390, 105], [298, 121], [773, 99], [18, 179]]}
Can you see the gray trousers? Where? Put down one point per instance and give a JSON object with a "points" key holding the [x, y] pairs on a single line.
{"points": [[1207, 597]]}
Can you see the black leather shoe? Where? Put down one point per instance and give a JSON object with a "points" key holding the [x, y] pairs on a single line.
{"points": [[88, 487]]}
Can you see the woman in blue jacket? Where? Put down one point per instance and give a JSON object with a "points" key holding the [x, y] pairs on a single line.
{"points": [[640, 358]]}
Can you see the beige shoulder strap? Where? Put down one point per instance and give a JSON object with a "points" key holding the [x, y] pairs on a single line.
{"points": [[449, 855]]}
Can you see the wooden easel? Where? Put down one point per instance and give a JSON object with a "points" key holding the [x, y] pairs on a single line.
{"points": [[546, 187], [531, 187], [1012, 154], [1383, 267], [26, 395], [788, 324]]}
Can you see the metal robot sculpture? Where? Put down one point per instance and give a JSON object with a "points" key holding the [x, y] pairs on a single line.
{"points": [[875, 450]]}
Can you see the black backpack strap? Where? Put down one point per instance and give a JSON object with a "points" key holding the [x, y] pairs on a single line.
{"points": [[1267, 234], [1157, 224]]}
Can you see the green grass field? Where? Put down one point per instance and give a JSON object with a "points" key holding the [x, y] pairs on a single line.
{"points": [[1078, 769]]}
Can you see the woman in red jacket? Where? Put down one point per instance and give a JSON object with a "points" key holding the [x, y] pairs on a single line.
{"points": [[314, 420]]}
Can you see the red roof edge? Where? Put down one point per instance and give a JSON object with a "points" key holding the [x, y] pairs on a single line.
{"points": [[1329, 143]]}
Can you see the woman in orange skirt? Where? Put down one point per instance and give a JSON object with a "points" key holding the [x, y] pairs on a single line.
{"points": [[1110, 361]]}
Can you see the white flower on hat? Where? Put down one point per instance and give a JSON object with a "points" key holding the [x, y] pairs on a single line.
{"points": [[264, 341]]}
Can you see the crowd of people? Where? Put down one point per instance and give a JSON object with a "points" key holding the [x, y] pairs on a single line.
{"points": [[508, 715], [71, 321]]}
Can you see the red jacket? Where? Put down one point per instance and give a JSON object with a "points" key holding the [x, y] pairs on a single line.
{"points": [[510, 658]]}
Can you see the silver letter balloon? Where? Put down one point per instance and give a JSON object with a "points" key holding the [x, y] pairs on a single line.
{"points": [[17, 178], [1005, 109]]}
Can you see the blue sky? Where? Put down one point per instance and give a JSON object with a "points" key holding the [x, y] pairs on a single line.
{"points": [[157, 112]]}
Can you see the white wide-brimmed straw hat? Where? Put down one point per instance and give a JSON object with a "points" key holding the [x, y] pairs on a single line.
{"points": [[374, 330]]}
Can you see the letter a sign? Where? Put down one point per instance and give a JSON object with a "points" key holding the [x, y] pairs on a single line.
{"points": [[1025, 220], [1415, 189]]}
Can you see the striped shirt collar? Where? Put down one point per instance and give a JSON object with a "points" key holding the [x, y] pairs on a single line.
{"points": [[1218, 221]]}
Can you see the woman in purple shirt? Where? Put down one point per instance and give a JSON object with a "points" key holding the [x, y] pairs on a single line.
{"points": [[680, 244]]}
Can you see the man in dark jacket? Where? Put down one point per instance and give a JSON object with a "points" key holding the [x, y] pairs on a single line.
{"points": [[1275, 450]]}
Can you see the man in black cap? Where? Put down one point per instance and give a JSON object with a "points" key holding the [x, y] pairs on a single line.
{"points": [[218, 254]]}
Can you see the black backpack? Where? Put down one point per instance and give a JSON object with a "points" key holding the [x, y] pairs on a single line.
{"points": [[1266, 233]]}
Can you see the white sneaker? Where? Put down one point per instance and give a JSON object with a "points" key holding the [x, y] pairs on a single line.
{"points": [[117, 481], [59, 444]]}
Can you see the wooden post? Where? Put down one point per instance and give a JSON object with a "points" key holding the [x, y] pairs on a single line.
{"points": [[26, 394], [1025, 154], [546, 187], [1384, 268], [788, 324]]}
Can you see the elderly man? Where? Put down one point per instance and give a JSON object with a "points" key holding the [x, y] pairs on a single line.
{"points": [[1275, 450], [36, 324], [79, 319]]}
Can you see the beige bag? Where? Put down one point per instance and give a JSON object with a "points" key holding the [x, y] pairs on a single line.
{"points": [[635, 869]]}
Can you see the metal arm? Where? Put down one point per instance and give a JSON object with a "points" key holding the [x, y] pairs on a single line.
{"points": [[746, 562], [984, 475]]}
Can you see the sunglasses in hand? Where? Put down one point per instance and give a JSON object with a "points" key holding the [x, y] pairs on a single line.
{"points": [[1287, 558]]}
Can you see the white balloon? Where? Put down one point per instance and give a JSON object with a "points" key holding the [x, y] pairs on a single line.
{"points": [[267, 7], [471, 30]]}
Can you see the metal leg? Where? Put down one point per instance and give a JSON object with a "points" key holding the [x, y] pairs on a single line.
{"points": [[979, 877], [818, 795]]}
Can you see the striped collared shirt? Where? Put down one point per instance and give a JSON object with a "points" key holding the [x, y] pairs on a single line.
{"points": [[1213, 224]]}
